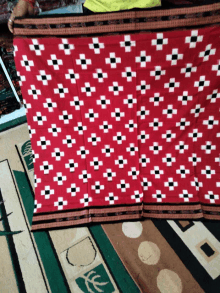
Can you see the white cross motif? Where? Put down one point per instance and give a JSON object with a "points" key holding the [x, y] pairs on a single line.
{"points": [[182, 171], [155, 148], [121, 162], [208, 172], [184, 98], [55, 62], [208, 51], [131, 125], [143, 136], [109, 174], [49, 105], [143, 112], [137, 196], [66, 47], [156, 99], [194, 159], [60, 203], [96, 45], [97, 187], [197, 110], [36, 47], [21, 78], [91, 115], [119, 137], [117, 114], [168, 135], [159, 196], [214, 96], [88, 89], [57, 154], [193, 39], [34, 92], [94, 139], [36, 206], [216, 67], [86, 200], [174, 57], [188, 69], [73, 189], [83, 61], [182, 124], [27, 63], [72, 76], [71, 165], [171, 85], [133, 173], [82, 152], [36, 180], [127, 43], [157, 73], [169, 160], [211, 196], [39, 118], [54, 130], [159, 42], [143, 87], [123, 186], [196, 183], [84, 176], [65, 117], [144, 160], [107, 150], [132, 149], [113, 60], [100, 75], [59, 178], [143, 59], [46, 167], [47, 192], [80, 128], [43, 143], [157, 172], [145, 184], [208, 147], [105, 126], [61, 90], [201, 83], [115, 88], [129, 74], [130, 101], [44, 77], [170, 184], [210, 122], [111, 198], [155, 124], [185, 195], [34, 156], [76, 103], [195, 134]]}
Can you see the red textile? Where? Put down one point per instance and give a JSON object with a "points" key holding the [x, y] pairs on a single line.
{"points": [[149, 108]]}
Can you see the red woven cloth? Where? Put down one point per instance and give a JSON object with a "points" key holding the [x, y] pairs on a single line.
{"points": [[123, 120]]}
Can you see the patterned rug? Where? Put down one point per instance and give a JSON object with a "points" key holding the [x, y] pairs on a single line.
{"points": [[100, 152]]}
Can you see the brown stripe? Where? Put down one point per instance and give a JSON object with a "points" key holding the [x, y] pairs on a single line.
{"points": [[83, 221], [211, 217], [121, 15], [211, 208], [172, 207], [173, 216], [66, 214], [122, 27]]}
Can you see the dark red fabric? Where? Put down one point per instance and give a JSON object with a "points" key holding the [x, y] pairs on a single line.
{"points": [[170, 95]]}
